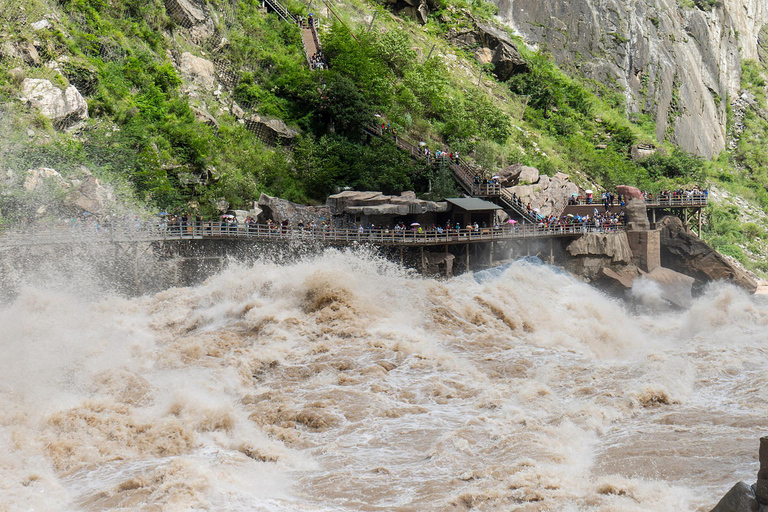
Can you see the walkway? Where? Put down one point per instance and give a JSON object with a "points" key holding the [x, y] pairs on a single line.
{"points": [[464, 174], [66, 234], [308, 28]]}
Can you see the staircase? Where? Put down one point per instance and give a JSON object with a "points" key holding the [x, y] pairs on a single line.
{"points": [[281, 11], [309, 37], [463, 173]]}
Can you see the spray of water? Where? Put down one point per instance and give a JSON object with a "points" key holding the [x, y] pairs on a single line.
{"points": [[343, 382]]}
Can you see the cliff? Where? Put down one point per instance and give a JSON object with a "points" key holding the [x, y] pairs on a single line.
{"points": [[681, 64]]}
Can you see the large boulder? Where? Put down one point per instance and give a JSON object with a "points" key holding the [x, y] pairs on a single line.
{"points": [[280, 210], [23, 51], [629, 192], [485, 39], [549, 195], [92, 196], [186, 12], [613, 246], [271, 131], [604, 259], [741, 498], [338, 203], [40, 176], [689, 255], [641, 151], [675, 287], [517, 173], [376, 204], [63, 107], [199, 71]]}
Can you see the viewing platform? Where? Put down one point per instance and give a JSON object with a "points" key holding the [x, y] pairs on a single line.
{"points": [[52, 235]]}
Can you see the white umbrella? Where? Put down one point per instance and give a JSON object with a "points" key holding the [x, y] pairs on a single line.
{"points": [[415, 224], [589, 191], [496, 177]]}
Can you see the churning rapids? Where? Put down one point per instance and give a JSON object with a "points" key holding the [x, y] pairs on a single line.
{"points": [[344, 383]]}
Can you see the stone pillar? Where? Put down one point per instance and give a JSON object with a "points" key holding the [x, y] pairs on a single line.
{"points": [[646, 248], [761, 487]]}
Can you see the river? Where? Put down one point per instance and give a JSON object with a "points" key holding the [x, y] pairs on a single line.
{"points": [[342, 382]]}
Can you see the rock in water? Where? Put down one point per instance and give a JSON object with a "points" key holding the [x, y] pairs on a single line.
{"points": [[741, 498], [689, 255], [761, 487]]}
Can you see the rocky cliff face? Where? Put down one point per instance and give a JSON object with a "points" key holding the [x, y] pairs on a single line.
{"points": [[679, 64]]}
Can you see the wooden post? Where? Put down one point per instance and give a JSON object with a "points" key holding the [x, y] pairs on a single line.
{"points": [[401, 255], [490, 254], [421, 253], [699, 222]]}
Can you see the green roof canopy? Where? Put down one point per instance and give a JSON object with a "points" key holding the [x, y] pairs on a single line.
{"points": [[473, 204]]}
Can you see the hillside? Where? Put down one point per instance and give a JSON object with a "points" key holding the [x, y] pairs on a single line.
{"points": [[178, 95]]}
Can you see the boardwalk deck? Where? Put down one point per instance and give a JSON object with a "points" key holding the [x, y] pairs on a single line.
{"points": [[264, 233]]}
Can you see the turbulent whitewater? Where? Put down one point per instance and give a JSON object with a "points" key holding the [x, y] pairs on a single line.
{"points": [[343, 383]]}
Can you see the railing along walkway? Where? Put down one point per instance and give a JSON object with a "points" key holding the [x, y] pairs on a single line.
{"points": [[281, 11], [463, 173], [52, 235], [694, 201]]}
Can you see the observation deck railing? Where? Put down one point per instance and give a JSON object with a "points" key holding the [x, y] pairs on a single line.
{"points": [[64, 234]]}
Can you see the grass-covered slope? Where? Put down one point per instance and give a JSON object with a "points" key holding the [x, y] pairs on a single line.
{"points": [[150, 130]]}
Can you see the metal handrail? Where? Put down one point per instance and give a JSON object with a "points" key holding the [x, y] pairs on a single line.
{"points": [[282, 11], [49, 235]]}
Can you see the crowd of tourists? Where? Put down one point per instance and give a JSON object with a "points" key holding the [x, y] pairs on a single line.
{"points": [[317, 61], [680, 194]]}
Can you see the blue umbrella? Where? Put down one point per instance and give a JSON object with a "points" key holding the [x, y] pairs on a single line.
{"points": [[162, 214]]}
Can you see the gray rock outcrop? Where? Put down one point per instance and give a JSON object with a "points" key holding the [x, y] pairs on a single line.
{"points": [[613, 246], [518, 173], [41, 176], [22, 51], [64, 108], [186, 13], [280, 210], [741, 498], [549, 195], [192, 16], [689, 255], [604, 259], [745, 498], [376, 204], [271, 131], [641, 151], [492, 45], [91, 195], [675, 287], [679, 64], [84, 194], [198, 71]]}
